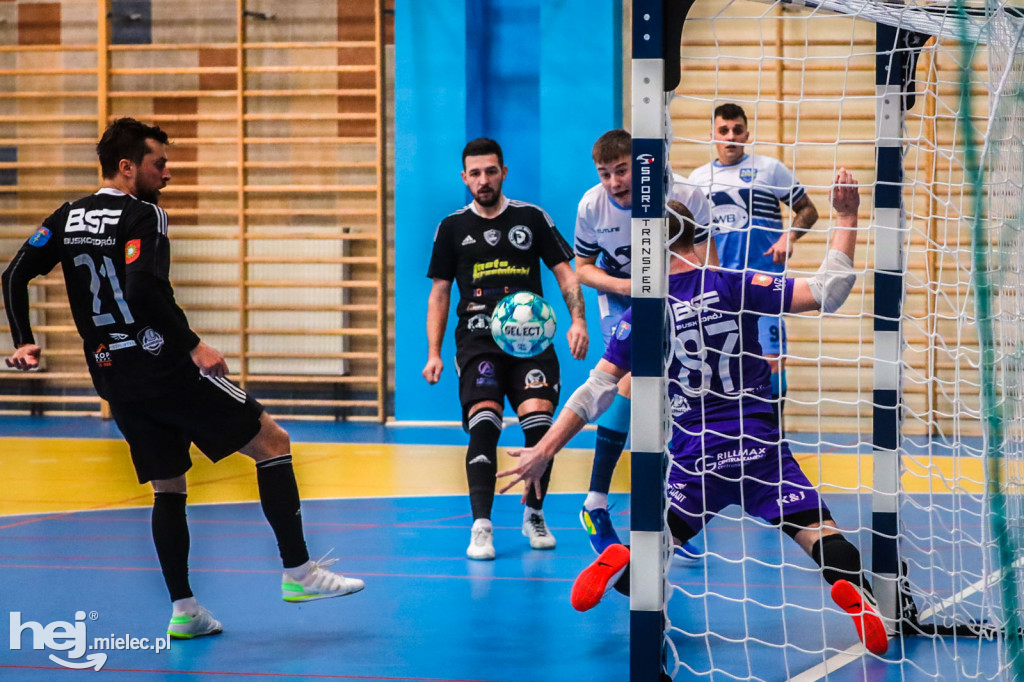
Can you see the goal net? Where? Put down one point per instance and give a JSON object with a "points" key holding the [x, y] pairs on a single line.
{"points": [[905, 407]]}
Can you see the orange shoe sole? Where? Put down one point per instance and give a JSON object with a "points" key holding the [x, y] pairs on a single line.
{"points": [[593, 581], [869, 625]]}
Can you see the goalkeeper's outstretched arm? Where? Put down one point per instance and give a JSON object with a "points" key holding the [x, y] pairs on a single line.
{"points": [[586, 404], [828, 289]]}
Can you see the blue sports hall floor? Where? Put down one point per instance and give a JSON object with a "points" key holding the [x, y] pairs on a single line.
{"points": [[390, 501]]}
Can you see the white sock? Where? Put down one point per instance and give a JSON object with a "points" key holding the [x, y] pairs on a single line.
{"points": [[481, 523], [188, 606], [596, 501], [301, 572], [530, 510]]}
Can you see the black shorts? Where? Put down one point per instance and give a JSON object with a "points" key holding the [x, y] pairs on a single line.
{"points": [[216, 415], [493, 374]]}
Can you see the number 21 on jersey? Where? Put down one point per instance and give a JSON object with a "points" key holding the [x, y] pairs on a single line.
{"points": [[105, 271]]}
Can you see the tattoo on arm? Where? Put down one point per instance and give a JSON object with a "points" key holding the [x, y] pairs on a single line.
{"points": [[806, 214], [573, 296]]}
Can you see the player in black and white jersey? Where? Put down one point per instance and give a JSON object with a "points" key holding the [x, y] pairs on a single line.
{"points": [[166, 388], [491, 248]]}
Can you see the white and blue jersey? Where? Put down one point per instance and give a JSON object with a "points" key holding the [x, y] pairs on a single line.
{"points": [[603, 232], [746, 200]]}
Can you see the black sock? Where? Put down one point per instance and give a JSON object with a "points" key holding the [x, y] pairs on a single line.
{"points": [[279, 497], [482, 460], [607, 451], [839, 560], [535, 425], [170, 535]]}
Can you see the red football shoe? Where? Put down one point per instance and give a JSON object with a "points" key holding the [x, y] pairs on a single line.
{"points": [[864, 610], [599, 577]]}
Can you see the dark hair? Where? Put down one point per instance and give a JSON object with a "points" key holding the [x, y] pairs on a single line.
{"points": [[730, 112], [126, 138], [482, 146], [612, 146], [680, 236]]}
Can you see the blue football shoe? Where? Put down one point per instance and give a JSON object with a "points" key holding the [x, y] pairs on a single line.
{"points": [[598, 525]]}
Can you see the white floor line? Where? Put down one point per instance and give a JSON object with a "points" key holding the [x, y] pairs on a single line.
{"points": [[986, 582], [831, 665]]}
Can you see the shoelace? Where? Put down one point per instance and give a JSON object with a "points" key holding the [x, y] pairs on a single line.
{"points": [[480, 537], [319, 571], [602, 522], [204, 616], [539, 527]]}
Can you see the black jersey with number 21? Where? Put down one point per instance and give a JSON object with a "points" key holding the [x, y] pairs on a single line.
{"points": [[107, 242]]}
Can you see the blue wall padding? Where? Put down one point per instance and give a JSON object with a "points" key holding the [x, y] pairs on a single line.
{"points": [[542, 78]]}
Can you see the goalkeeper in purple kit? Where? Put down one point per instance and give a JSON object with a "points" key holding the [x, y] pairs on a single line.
{"points": [[726, 446]]}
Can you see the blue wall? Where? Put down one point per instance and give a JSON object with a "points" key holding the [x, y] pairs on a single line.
{"points": [[541, 77]]}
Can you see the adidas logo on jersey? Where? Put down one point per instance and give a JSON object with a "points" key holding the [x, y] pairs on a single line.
{"points": [[468, 240]]}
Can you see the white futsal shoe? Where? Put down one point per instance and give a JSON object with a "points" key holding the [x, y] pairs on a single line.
{"points": [[536, 530], [200, 624], [319, 583], [481, 541]]}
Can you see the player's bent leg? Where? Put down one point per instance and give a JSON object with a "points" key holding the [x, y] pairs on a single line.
{"points": [[279, 493], [271, 441], [596, 579], [303, 579], [863, 608], [841, 567]]}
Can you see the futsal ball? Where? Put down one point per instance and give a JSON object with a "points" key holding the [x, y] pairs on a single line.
{"points": [[523, 324]]}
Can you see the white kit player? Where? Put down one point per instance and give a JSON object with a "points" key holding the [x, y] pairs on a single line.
{"points": [[746, 192], [603, 260]]}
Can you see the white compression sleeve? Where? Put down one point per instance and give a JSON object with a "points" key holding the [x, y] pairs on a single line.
{"points": [[832, 284], [590, 400]]}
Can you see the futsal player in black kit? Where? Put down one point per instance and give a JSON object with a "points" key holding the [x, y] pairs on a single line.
{"points": [[491, 248], [166, 388]]}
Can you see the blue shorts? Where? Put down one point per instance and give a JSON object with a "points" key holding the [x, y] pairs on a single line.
{"points": [[611, 307], [759, 475], [771, 333]]}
